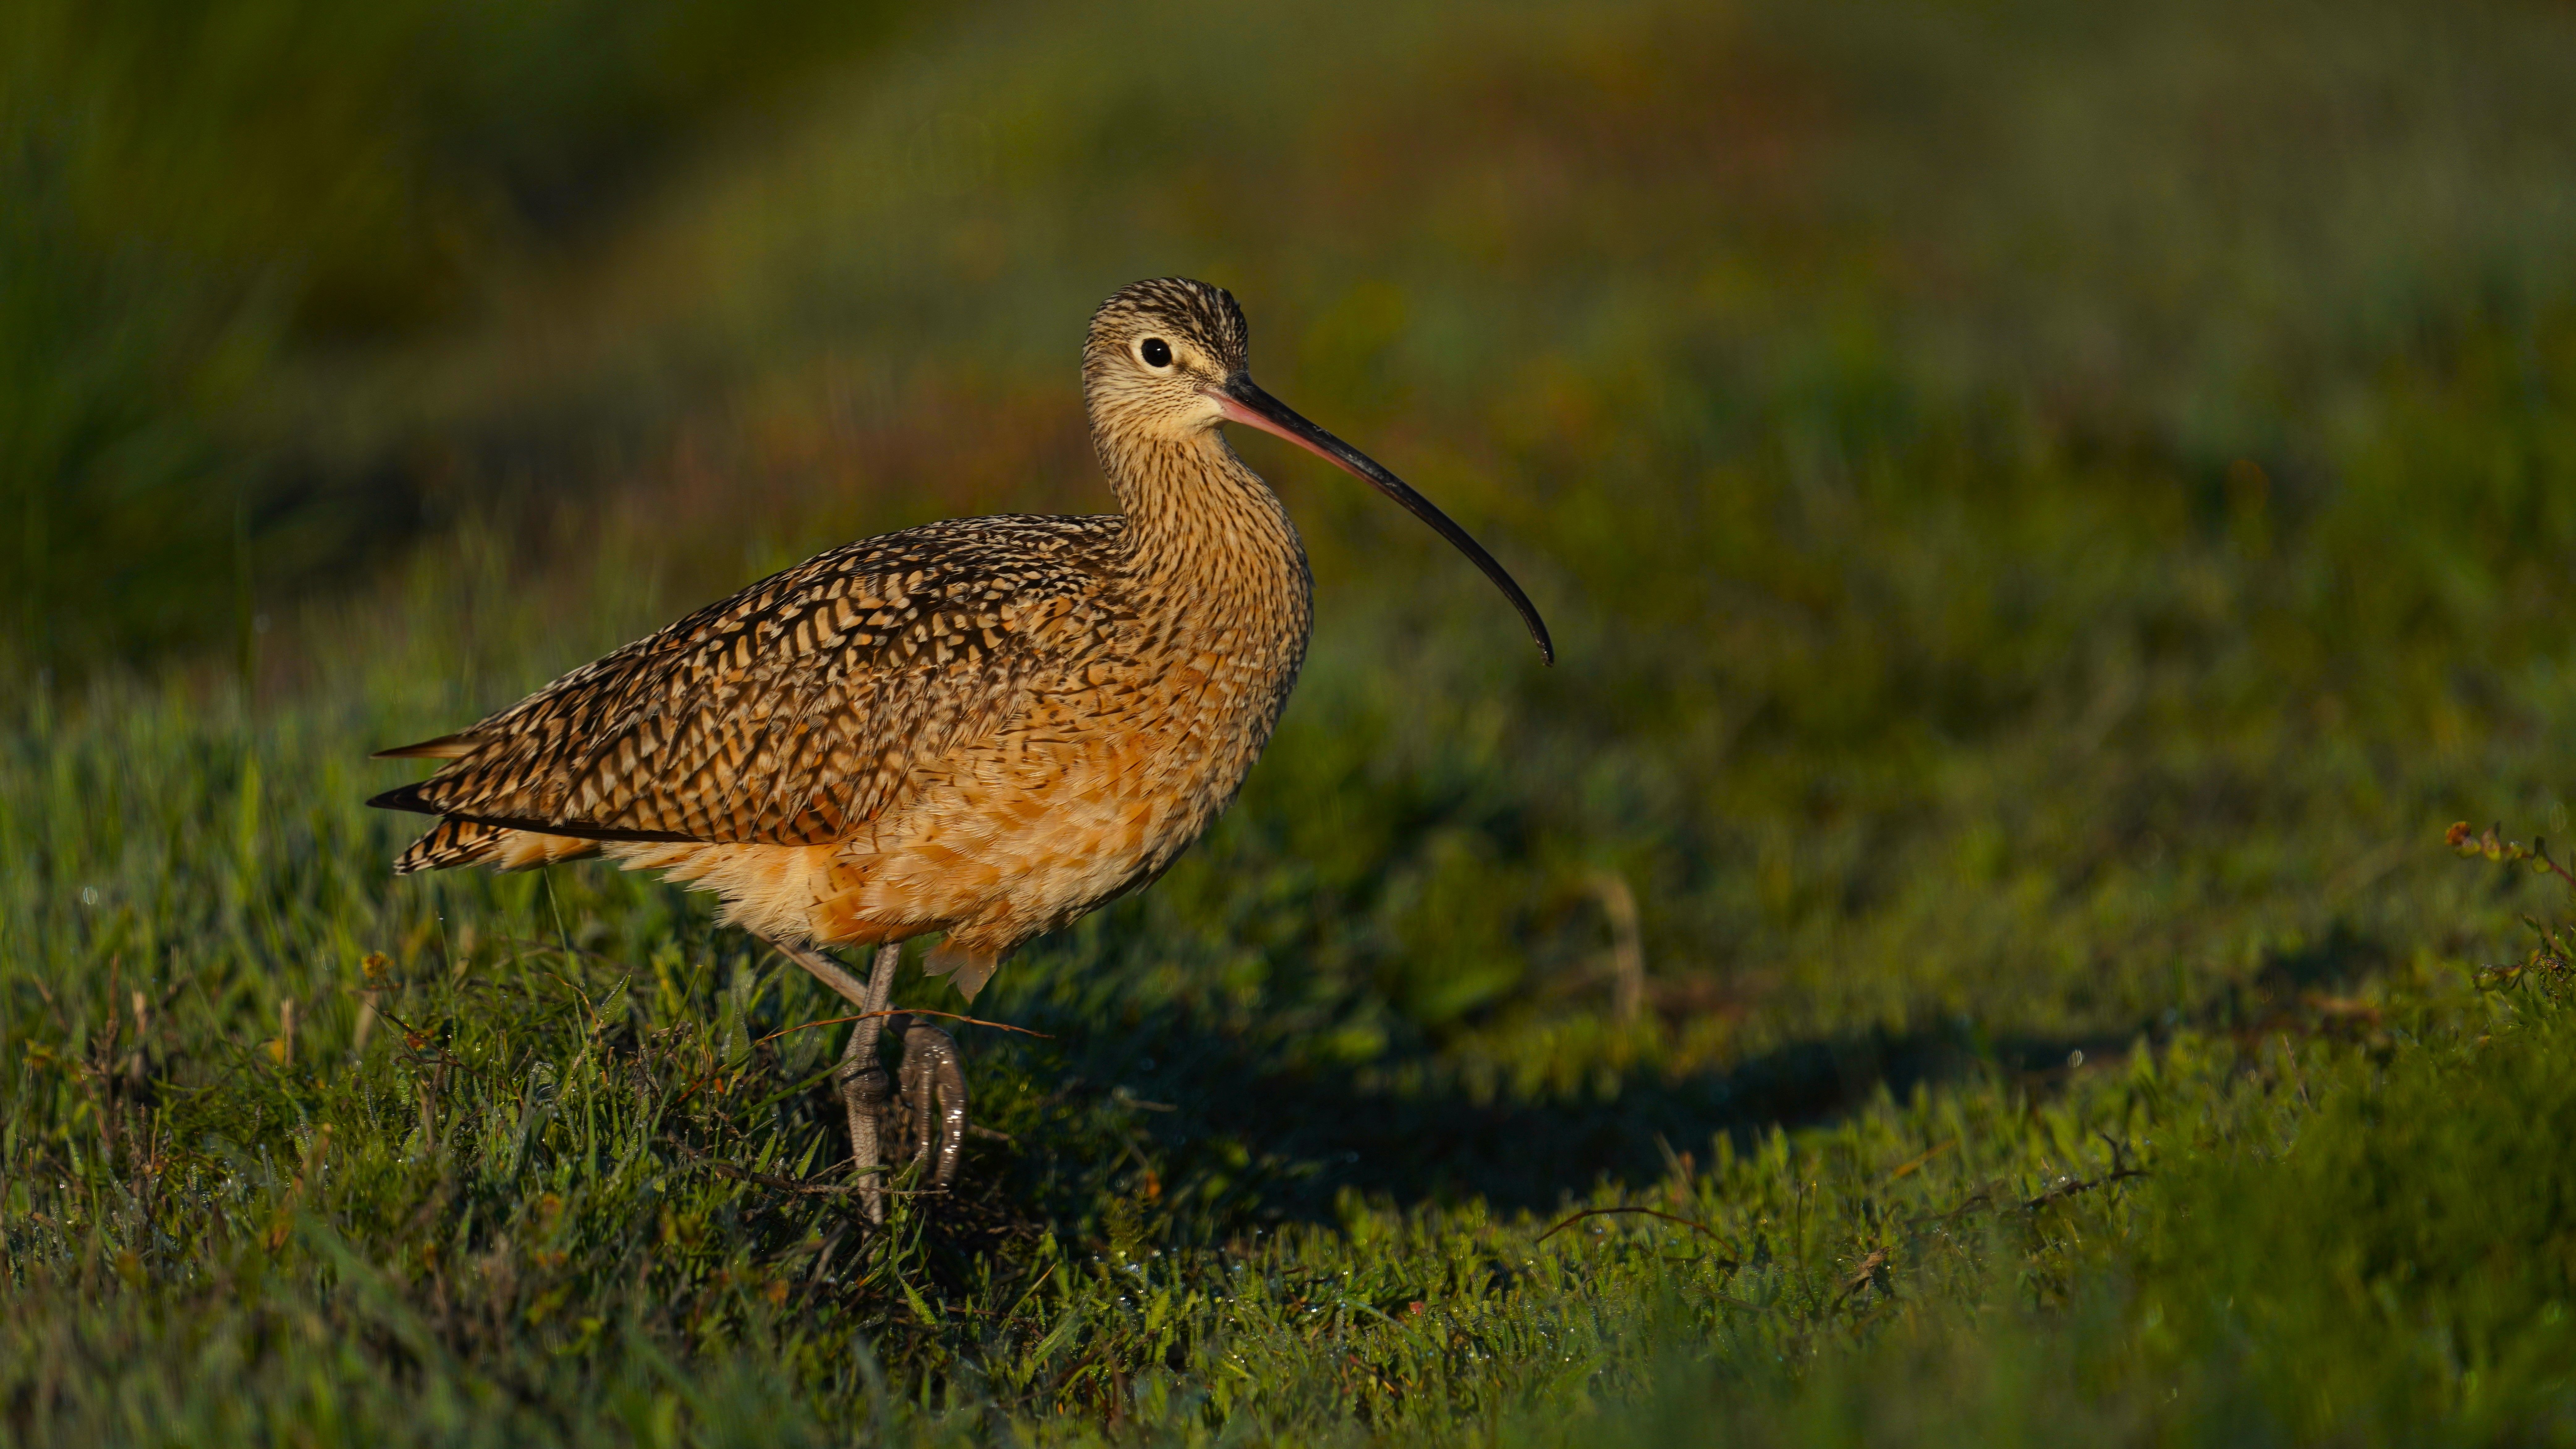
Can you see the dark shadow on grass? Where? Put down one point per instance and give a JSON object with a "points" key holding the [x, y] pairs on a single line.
{"points": [[1211, 1133], [1197, 1122], [1230, 1135]]}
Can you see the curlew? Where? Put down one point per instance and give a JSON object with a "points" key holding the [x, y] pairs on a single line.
{"points": [[981, 728]]}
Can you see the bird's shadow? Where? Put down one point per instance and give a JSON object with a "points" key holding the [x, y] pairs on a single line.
{"points": [[1219, 1130], [1223, 1138]]}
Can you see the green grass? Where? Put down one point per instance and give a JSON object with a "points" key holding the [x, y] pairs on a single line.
{"points": [[496, 1219], [198, 197], [2047, 516]]}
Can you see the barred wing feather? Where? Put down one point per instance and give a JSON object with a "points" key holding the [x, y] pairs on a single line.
{"points": [[799, 707]]}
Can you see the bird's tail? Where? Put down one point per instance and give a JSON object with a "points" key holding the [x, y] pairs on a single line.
{"points": [[450, 843]]}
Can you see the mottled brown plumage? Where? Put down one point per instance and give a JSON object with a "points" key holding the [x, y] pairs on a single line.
{"points": [[982, 728]]}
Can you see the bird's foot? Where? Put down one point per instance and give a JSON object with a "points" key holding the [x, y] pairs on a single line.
{"points": [[934, 1098], [933, 1079], [865, 1091]]}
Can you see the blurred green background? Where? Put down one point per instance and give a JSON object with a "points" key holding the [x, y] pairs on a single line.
{"points": [[2047, 509]]}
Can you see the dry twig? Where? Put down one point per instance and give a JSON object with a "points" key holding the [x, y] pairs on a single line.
{"points": [[791, 1184], [904, 1011], [1696, 1227]]}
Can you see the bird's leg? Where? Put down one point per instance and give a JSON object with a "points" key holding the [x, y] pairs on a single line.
{"points": [[863, 1082], [934, 1090], [862, 1077]]}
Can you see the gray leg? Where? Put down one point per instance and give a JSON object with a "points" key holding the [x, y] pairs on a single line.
{"points": [[862, 1077], [934, 1088], [863, 1082]]}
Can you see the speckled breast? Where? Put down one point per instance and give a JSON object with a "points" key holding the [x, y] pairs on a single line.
{"points": [[1093, 791]]}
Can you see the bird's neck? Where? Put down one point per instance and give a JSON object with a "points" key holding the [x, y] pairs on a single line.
{"points": [[1199, 520]]}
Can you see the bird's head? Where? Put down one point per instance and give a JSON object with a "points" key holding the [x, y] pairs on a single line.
{"points": [[1166, 362], [1159, 353]]}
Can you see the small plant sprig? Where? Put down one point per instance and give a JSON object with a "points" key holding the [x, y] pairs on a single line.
{"points": [[2554, 958], [2495, 847]]}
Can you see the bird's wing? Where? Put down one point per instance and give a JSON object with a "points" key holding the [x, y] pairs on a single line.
{"points": [[798, 707]]}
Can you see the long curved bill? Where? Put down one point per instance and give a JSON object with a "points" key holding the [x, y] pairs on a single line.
{"points": [[1245, 403]]}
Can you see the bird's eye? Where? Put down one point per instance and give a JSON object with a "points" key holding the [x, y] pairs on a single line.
{"points": [[1156, 352]]}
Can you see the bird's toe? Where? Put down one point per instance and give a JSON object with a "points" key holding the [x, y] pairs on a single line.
{"points": [[934, 1097]]}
